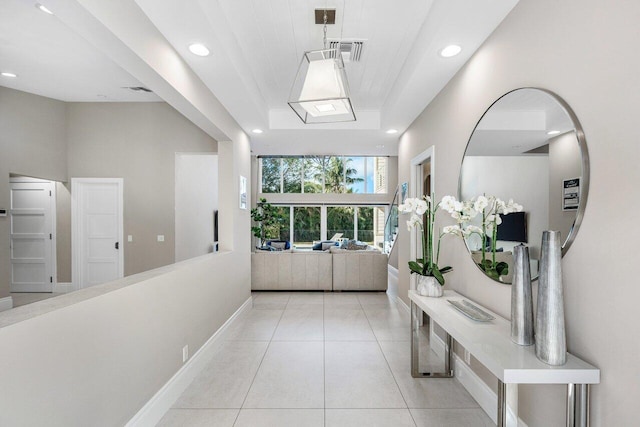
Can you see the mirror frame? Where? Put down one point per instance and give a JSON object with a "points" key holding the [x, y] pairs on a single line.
{"points": [[582, 143]]}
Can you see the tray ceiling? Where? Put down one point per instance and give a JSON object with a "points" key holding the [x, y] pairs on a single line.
{"points": [[256, 47]]}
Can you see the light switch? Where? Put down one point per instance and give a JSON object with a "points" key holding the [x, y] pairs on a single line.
{"points": [[129, 238], [160, 237]]}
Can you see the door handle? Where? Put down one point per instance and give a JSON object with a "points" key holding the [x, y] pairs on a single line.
{"points": [[117, 245]]}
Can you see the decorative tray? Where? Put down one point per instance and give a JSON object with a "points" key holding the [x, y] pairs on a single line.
{"points": [[471, 311]]}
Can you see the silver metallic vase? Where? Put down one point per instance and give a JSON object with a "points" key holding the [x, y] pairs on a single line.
{"points": [[551, 343], [521, 298]]}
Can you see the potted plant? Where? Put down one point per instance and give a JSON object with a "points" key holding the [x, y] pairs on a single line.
{"points": [[430, 275], [490, 208], [267, 221]]}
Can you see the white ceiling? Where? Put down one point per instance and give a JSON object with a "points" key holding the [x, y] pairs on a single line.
{"points": [[52, 60], [518, 122], [256, 47]]}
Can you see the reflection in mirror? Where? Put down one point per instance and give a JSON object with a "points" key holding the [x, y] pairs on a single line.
{"points": [[529, 147]]}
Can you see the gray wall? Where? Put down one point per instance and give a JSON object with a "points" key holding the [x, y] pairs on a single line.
{"points": [[45, 138], [63, 232], [584, 51], [97, 361], [564, 163], [137, 142], [32, 143], [105, 351]]}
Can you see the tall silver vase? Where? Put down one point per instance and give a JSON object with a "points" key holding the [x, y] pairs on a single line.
{"points": [[551, 343], [521, 298]]}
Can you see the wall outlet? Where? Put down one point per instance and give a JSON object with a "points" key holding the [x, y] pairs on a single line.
{"points": [[467, 357], [185, 353], [160, 237], [129, 238]]}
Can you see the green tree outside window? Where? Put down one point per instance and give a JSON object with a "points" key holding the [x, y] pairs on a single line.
{"points": [[270, 175]]}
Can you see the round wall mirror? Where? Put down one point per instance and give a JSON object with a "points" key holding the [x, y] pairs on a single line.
{"points": [[528, 147]]}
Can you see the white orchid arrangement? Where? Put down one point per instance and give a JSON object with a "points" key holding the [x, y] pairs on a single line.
{"points": [[490, 208], [419, 208]]}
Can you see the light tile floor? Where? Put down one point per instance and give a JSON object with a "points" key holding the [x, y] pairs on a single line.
{"points": [[320, 359]]}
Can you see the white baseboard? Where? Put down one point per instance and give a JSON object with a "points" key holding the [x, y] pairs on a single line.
{"points": [[153, 411], [393, 287], [63, 287], [478, 389], [402, 304], [392, 284], [6, 303]]}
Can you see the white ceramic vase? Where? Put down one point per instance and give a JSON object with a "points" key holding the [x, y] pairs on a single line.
{"points": [[428, 286]]}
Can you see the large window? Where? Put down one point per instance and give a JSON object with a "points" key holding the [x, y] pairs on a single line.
{"points": [[271, 178], [313, 174], [340, 219], [291, 172], [355, 175], [284, 228], [306, 225], [324, 174], [366, 231], [315, 223]]}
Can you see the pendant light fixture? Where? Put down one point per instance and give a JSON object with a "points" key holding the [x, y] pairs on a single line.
{"points": [[320, 92]]}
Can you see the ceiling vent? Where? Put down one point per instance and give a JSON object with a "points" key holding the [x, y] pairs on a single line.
{"points": [[351, 50], [138, 89]]}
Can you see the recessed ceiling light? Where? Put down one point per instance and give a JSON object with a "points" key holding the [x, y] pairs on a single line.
{"points": [[553, 132], [451, 50], [392, 131], [258, 131], [7, 74], [43, 8], [199, 49], [380, 146]]}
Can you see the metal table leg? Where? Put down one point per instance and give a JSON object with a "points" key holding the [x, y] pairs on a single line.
{"points": [[502, 404], [578, 405], [415, 348], [507, 414]]}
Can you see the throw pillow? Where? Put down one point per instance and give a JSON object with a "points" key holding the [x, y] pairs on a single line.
{"points": [[354, 245], [327, 245], [320, 246], [278, 245]]}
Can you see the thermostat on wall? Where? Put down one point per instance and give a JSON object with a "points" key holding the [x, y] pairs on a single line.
{"points": [[3, 212]]}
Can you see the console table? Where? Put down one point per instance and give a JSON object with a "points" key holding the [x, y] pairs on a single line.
{"points": [[490, 343]]}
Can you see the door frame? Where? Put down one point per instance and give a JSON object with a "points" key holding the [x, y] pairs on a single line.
{"points": [[416, 190], [53, 208], [76, 229]]}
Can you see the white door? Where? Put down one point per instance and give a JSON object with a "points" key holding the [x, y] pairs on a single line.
{"points": [[96, 217], [31, 235]]}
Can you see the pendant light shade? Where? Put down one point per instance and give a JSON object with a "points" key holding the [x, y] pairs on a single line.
{"points": [[320, 92]]}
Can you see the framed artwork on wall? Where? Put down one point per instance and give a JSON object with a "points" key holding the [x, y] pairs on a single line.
{"points": [[570, 194], [243, 192]]}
